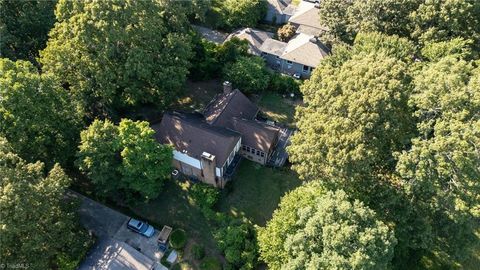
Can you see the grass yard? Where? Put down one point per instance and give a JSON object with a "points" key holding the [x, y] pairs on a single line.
{"points": [[278, 108], [256, 191]]}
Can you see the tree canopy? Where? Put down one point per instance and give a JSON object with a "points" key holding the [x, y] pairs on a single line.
{"points": [[124, 159], [38, 226], [113, 55], [399, 136], [36, 115], [231, 14], [248, 74], [314, 229], [24, 27], [423, 21]]}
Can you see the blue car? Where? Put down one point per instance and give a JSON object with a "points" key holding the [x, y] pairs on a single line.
{"points": [[140, 227]]}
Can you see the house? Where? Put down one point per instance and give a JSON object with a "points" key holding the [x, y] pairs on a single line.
{"points": [[207, 146], [254, 37], [201, 151], [307, 19], [299, 56], [279, 11]]}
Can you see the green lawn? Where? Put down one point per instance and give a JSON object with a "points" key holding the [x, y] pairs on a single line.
{"points": [[278, 108], [256, 191]]}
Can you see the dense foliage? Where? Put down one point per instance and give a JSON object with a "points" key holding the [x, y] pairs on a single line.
{"points": [[286, 32], [248, 74], [38, 228], [424, 21], [124, 159], [24, 27], [178, 239], [313, 229], [399, 136], [36, 115], [231, 14], [137, 52]]}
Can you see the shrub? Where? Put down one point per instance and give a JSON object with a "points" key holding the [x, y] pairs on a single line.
{"points": [[237, 240], [286, 32], [198, 252], [178, 239], [210, 263], [249, 74], [283, 84], [204, 196]]}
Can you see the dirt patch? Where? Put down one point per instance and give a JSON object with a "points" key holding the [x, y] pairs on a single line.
{"points": [[197, 95]]}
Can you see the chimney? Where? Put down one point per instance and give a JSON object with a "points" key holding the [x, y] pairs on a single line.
{"points": [[227, 87]]}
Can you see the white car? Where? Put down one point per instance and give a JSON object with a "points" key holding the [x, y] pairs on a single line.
{"points": [[141, 227]]}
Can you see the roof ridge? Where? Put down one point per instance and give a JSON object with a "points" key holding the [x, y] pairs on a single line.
{"points": [[229, 98], [209, 128]]}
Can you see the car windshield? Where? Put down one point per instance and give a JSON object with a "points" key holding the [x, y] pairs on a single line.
{"points": [[143, 227]]}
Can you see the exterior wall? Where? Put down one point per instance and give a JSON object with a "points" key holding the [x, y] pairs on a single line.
{"points": [[254, 157], [283, 66], [273, 61]]}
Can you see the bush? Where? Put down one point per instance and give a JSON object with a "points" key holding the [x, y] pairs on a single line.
{"points": [[178, 239], [249, 74], [204, 196], [286, 32], [237, 240], [210, 263], [198, 252], [283, 84]]}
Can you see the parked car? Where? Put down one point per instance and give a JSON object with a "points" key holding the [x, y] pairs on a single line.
{"points": [[141, 227]]}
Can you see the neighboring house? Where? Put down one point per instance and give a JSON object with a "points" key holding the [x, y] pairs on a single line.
{"points": [[307, 19], [299, 56], [279, 11], [206, 146], [254, 37]]}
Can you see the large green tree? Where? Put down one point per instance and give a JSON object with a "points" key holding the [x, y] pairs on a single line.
{"points": [[314, 229], [231, 14], [124, 159], [24, 27], [356, 115], [36, 115], [117, 54], [442, 169], [248, 74], [421, 20], [38, 228]]}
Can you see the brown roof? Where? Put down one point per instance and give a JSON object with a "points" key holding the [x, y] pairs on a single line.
{"points": [[226, 106], [255, 134], [189, 132]]}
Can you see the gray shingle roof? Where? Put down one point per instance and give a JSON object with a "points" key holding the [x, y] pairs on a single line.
{"points": [[303, 49], [189, 132], [255, 134], [273, 46], [254, 37], [226, 106]]}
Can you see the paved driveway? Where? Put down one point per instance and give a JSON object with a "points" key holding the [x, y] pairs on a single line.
{"points": [[110, 227]]}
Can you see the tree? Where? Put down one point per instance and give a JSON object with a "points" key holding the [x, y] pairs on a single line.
{"points": [[441, 170], [286, 32], [438, 20], [248, 74], [136, 54], [232, 14], [237, 240], [355, 116], [38, 226], [24, 27], [36, 115], [314, 229], [124, 159]]}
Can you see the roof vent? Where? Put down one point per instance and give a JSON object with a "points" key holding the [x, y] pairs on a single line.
{"points": [[208, 156], [313, 40], [248, 30]]}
